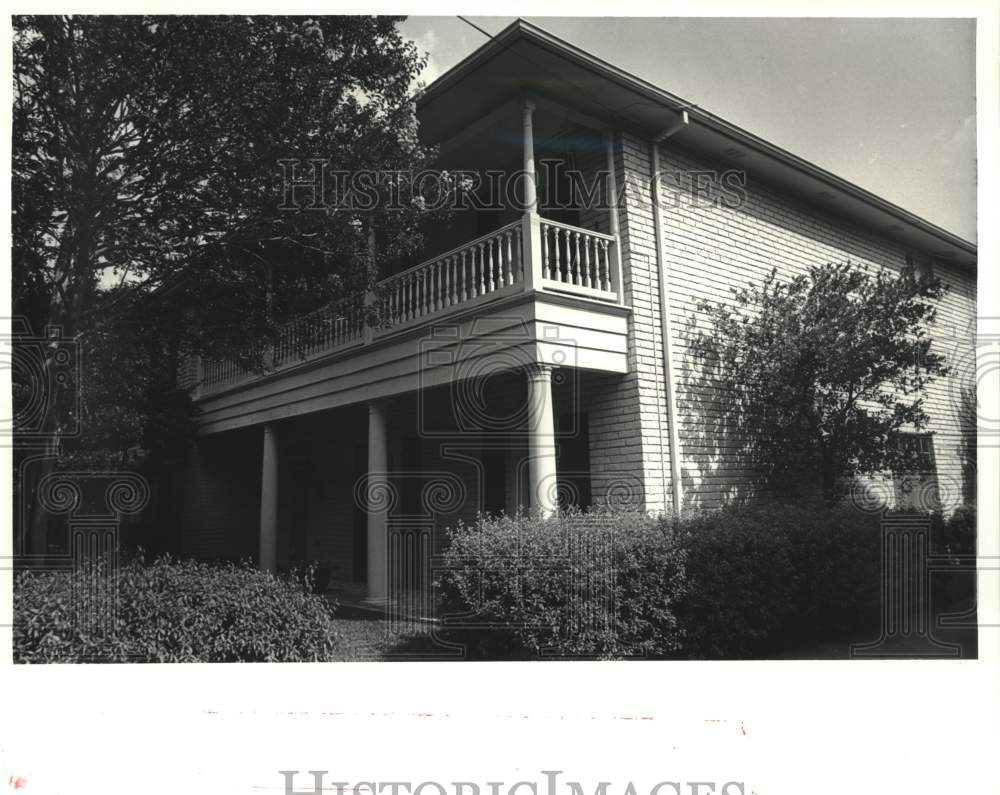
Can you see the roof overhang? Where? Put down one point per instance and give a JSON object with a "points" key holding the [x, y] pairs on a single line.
{"points": [[525, 60]]}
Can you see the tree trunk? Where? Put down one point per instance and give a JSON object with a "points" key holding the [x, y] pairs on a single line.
{"points": [[65, 315]]}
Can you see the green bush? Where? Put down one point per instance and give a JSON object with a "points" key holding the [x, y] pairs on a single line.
{"points": [[597, 584], [764, 578], [168, 611]]}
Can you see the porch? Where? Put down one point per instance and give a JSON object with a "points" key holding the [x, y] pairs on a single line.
{"points": [[452, 387], [537, 254], [368, 490]]}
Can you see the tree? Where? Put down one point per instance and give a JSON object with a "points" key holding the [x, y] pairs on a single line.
{"points": [[822, 372], [147, 165]]}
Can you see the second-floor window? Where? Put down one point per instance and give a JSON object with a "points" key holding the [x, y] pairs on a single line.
{"points": [[916, 488]]}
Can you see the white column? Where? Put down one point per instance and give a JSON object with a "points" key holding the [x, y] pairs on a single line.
{"points": [[541, 440], [531, 232], [377, 502], [269, 502], [530, 193], [617, 283]]}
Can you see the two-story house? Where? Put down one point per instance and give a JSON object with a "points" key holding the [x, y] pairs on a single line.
{"points": [[543, 355]]}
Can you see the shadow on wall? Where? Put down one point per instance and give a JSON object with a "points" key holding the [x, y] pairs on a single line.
{"points": [[717, 451]]}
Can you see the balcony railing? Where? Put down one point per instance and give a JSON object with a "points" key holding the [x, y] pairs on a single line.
{"points": [[482, 267], [529, 254], [577, 260], [332, 327]]}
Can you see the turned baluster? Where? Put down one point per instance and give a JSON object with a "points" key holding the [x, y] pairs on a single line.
{"points": [[462, 288], [489, 266], [508, 265], [606, 283], [518, 257], [449, 280], [482, 269], [574, 255], [546, 265], [557, 234]]}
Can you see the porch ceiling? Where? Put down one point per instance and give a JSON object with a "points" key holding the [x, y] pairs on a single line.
{"points": [[496, 140]]}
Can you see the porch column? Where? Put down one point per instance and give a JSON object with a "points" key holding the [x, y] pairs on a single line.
{"points": [[269, 502], [530, 193], [378, 501], [541, 439], [531, 231], [613, 224]]}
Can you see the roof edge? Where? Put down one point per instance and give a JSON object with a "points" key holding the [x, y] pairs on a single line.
{"points": [[522, 29]]}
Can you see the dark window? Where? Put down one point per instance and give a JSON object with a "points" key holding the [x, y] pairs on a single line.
{"points": [[916, 484]]}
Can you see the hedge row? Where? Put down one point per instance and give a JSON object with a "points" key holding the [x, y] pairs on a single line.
{"points": [[169, 611], [739, 582]]}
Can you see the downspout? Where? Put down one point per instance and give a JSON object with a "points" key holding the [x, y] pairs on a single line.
{"points": [[665, 325]]}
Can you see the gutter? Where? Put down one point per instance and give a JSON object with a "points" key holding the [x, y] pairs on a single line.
{"points": [[673, 432]]}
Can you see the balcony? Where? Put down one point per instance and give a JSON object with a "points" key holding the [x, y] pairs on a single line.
{"points": [[530, 255]]}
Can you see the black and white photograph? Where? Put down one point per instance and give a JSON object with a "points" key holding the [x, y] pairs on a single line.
{"points": [[636, 342], [535, 359]]}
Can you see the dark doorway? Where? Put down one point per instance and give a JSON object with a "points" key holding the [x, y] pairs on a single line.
{"points": [[573, 461], [494, 480], [360, 520]]}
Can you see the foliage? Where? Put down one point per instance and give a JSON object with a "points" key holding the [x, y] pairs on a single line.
{"points": [[150, 216], [954, 534], [596, 584], [745, 581], [169, 611], [821, 372], [764, 577], [147, 145], [130, 407]]}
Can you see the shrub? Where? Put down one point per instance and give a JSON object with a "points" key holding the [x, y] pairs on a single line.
{"points": [[596, 584], [168, 611], [955, 537], [762, 578], [744, 581], [955, 534]]}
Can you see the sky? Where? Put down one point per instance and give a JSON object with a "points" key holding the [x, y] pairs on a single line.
{"points": [[888, 104]]}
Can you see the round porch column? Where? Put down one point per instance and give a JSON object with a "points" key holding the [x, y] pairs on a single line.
{"points": [[530, 191], [377, 500], [541, 440], [269, 502]]}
